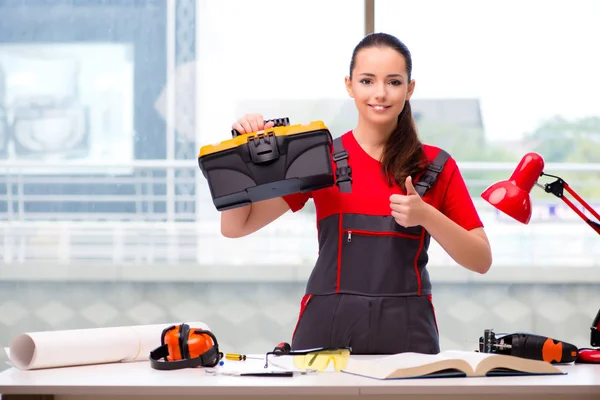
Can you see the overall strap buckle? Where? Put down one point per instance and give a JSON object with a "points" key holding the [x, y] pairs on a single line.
{"points": [[431, 173], [343, 171]]}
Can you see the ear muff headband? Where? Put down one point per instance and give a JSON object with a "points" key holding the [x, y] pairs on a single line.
{"points": [[184, 333]]}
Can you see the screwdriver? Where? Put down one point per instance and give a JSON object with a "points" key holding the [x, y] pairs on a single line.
{"points": [[239, 357]]}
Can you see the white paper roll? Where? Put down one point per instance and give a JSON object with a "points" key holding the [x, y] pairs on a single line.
{"points": [[50, 349]]}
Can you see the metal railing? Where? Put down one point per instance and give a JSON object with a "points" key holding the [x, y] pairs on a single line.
{"points": [[158, 213]]}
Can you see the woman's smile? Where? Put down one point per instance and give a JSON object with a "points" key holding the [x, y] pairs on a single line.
{"points": [[379, 107]]}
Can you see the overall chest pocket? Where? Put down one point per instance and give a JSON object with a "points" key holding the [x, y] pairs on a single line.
{"points": [[380, 262]]}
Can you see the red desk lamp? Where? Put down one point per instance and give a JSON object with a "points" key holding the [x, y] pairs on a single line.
{"points": [[512, 198]]}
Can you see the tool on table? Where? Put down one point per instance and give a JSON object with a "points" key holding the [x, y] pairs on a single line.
{"points": [[282, 348], [528, 345], [235, 357], [240, 357], [268, 374], [591, 355]]}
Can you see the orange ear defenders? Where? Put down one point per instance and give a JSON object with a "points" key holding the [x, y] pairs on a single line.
{"points": [[182, 347]]}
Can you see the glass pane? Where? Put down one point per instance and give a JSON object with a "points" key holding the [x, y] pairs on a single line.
{"points": [[275, 58], [279, 59], [105, 219], [495, 80], [78, 86]]}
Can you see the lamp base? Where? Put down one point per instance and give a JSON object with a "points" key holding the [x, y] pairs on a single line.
{"points": [[588, 356]]}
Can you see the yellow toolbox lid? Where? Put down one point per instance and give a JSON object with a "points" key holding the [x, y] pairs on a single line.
{"points": [[277, 131]]}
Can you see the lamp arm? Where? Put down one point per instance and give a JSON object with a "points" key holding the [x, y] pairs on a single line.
{"points": [[557, 188]]}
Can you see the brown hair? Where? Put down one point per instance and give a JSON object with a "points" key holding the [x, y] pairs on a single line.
{"points": [[403, 153]]}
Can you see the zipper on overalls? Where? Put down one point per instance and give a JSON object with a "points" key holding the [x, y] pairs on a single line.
{"points": [[393, 234]]}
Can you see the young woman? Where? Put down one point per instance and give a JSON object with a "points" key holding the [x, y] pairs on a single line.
{"points": [[370, 288]]}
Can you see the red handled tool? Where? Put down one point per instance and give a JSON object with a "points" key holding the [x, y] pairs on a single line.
{"points": [[591, 355]]}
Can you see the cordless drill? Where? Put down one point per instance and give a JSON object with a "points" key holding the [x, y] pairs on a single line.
{"points": [[527, 345]]}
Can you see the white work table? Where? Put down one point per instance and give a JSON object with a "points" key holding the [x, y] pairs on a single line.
{"points": [[138, 379]]}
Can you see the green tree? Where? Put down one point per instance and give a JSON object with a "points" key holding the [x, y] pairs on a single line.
{"points": [[560, 140], [464, 143], [468, 144], [569, 141]]}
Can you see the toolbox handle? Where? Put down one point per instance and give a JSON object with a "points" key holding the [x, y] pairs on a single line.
{"points": [[285, 121], [263, 148]]}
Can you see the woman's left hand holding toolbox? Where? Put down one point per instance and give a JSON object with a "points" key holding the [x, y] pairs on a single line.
{"points": [[251, 123]]}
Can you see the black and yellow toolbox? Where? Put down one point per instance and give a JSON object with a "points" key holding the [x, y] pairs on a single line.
{"points": [[261, 165]]}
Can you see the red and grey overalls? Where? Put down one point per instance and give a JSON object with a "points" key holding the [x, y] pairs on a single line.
{"points": [[370, 288]]}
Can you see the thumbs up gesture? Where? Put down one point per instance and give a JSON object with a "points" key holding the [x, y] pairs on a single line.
{"points": [[409, 210]]}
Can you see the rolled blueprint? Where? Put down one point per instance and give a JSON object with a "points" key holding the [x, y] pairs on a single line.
{"points": [[50, 349]]}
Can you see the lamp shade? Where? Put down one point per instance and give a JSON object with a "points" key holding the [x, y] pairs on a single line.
{"points": [[512, 196]]}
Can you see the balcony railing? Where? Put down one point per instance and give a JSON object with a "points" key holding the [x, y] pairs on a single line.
{"points": [[155, 218]]}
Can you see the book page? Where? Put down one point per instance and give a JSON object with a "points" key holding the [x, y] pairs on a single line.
{"points": [[404, 365], [472, 357], [502, 364], [401, 360], [483, 363]]}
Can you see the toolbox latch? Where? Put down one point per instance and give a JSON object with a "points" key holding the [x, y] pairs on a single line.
{"points": [[263, 147]]}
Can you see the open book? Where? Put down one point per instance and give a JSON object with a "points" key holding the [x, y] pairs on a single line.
{"points": [[447, 364]]}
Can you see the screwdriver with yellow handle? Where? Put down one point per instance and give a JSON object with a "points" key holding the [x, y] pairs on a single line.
{"points": [[239, 357]]}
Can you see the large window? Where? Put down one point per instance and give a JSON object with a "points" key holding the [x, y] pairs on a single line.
{"points": [[528, 64], [280, 59], [78, 82], [500, 79], [105, 218], [275, 58], [495, 80]]}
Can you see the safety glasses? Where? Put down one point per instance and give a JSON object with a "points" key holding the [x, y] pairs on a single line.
{"points": [[316, 359]]}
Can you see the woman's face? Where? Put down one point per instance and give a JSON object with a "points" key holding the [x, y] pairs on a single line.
{"points": [[379, 85]]}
